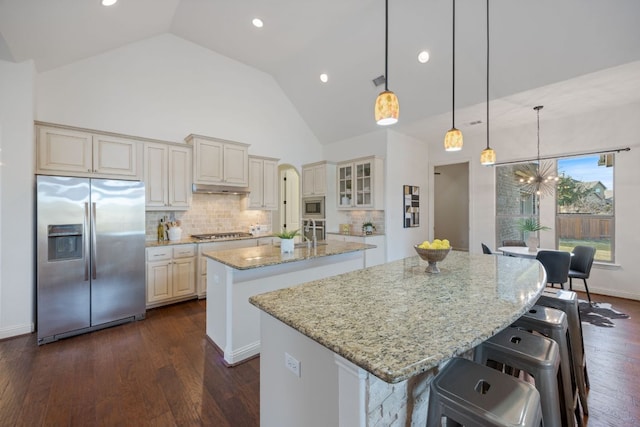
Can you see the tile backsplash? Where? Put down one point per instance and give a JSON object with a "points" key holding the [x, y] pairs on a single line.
{"points": [[211, 213], [357, 218]]}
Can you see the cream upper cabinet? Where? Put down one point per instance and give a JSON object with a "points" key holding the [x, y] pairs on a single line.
{"points": [[167, 176], [360, 184], [217, 161], [83, 153], [263, 183], [314, 179]]}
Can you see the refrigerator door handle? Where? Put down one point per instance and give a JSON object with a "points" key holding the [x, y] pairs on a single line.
{"points": [[93, 241], [86, 241]]}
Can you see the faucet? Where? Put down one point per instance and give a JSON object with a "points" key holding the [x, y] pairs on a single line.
{"points": [[313, 231]]}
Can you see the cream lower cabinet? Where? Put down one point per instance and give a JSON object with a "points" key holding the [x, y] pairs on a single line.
{"points": [[75, 152], [171, 274], [372, 257], [167, 176]]}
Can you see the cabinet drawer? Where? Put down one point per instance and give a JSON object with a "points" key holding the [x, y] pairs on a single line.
{"points": [[158, 254], [184, 251]]}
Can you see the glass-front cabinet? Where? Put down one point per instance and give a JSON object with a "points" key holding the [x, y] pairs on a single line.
{"points": [[345, 182], [360, 184]]}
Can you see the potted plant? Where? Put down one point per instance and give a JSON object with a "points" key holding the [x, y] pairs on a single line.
{"points": [[368, 227], [286, 240], [531, 226]]}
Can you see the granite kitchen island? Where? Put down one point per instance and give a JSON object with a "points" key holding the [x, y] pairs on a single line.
{"points": [[360, 349], [234, 275]]}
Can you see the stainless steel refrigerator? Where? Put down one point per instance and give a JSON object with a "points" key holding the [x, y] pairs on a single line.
{"points": [[90, 254]]}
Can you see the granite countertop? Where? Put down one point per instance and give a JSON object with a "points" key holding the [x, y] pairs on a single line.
{"points": [[188, 239], [396, 321], [262, 256], [360, 234]]}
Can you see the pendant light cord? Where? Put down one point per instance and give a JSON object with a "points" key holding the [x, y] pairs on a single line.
{"points": [[487, 74], [386, 44], [538, 108], [453, 70]]}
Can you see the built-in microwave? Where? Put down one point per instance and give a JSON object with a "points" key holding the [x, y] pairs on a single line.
{"points": [[313, 207]]}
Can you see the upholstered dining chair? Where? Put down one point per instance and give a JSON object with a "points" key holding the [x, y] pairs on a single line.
{"points": [[580, 267], [556, 264], [513, 243]]}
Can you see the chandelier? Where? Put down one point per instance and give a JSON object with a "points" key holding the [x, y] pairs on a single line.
{"points": [[537, 178]]}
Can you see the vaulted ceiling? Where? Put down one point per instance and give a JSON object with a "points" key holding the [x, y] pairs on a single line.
{"points": [[570, 55]]}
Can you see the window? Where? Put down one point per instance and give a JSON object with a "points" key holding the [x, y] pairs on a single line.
{"points": [[512, 204], [585, 208]]}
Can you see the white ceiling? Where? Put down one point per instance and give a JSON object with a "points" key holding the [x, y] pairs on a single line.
{"points": [[538, 50]]}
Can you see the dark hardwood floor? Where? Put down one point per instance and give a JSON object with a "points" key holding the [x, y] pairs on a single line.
{"points": [[163, 372]]}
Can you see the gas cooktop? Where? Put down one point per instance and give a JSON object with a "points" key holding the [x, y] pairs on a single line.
{"points": [[221, 236]]}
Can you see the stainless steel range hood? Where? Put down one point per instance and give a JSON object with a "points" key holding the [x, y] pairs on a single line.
{"points": [[219, 189]]}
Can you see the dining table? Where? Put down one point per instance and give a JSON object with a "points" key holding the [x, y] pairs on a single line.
{"points": [[523, 251]]}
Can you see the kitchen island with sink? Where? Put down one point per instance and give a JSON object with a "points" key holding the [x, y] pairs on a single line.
{"points": [[360, 349], [234, 275]]}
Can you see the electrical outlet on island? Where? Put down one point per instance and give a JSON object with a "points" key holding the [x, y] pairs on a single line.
{"points": [[292, 364]]}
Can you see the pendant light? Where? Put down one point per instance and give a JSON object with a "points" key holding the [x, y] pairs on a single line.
{"points": [[488, 156], [453, 138], [538, 178], [386, 109]]}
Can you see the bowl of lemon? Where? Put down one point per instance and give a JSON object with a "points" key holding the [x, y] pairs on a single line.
{"points": [[433, 252]]}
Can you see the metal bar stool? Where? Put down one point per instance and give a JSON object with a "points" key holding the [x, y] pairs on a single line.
{"points": [[534, 354], [553, 324], [567, 301], [476, 395]]}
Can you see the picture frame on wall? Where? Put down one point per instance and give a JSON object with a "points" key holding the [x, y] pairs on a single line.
{"points": [[411, 198]]}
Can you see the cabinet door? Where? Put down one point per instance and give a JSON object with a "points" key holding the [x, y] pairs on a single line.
{"points": [[345, 185], [314, 180], [158, 281], [308, 179], [236, 165], [270, 180], [320, 180], [256, 183], [118, 157], [155, 175], [179, 177], [184, 277], [62, 150], [363, 183], [208, 161]]}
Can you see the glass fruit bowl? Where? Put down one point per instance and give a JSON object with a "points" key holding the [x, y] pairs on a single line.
{"points": [[432, 256]]}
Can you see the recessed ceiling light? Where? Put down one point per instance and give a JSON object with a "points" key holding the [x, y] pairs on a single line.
{"points": [[423, 57], [109, 2], [257, 22], [324, 78]]}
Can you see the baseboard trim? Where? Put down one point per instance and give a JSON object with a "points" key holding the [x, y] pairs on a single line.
{"points": [[14, 331]]}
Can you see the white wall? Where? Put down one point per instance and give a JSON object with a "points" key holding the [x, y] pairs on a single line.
{"points": [[407, 163], [17, 283], [167, 88], [370, 144], [604, 129]]}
